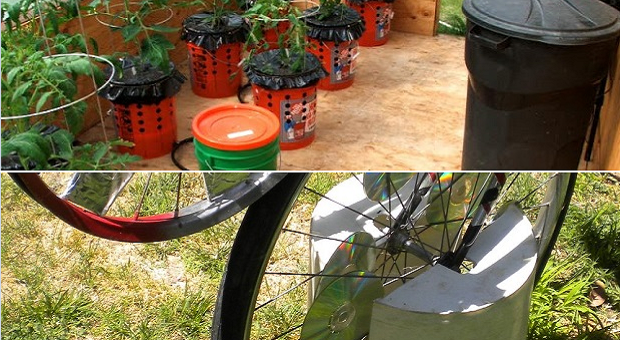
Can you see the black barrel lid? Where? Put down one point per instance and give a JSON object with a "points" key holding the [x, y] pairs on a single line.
{"points": [[556, 22]]}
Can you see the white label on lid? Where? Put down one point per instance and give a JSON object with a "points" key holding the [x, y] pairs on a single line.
{"points": [[240, 134]]}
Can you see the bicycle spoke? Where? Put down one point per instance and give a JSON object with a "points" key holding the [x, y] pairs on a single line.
{"points": [[176, 206], [139, 207], [343, 206]]}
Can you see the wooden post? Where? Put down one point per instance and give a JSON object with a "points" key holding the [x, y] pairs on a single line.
{"points": [[610, 120], [416, 16], [606, 152]]}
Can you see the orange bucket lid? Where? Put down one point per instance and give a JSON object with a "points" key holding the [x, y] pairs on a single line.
{"points": [[236, 127]]}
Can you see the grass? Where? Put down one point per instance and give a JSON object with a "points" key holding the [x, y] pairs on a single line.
{"points": [[451, 18], [58, 283]]}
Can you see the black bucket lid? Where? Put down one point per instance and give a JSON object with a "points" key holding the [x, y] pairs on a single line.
{"points": [[198, 30], [345, 24], [556, 22], [142, 83], [268, 70]]}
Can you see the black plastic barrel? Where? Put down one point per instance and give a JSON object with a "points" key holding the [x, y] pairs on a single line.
{"points": [[535, 68]]}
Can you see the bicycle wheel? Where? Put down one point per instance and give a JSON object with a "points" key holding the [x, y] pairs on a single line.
{"points": [[269, 287], [94, 202]]}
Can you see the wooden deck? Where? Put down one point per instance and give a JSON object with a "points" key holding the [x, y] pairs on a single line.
{"points": [[405, 111]]}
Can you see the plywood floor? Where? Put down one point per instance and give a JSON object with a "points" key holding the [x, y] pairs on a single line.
{"points": [[405, 111]]}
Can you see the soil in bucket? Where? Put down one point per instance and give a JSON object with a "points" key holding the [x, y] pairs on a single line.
{"points": [[145, 107], [236, 137], [377, 16], [289, 94], [335, 43], [214, 54]]}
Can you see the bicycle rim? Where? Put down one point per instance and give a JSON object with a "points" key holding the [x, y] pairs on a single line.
{"points": [[266, 295], [160, 214]]}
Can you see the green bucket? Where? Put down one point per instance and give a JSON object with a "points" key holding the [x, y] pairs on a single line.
{"points": [[265, 158], [236, 137]]}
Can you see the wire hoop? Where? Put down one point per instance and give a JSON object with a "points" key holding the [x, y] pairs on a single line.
{"points": [[106, 83], [116, 15]]}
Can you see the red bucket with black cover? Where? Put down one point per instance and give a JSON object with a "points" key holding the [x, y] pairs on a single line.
{"points": [[334, 41], [214, 54], [145, 107], [377, 16], [290, 94]]}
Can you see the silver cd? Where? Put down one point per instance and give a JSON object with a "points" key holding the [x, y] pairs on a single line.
{"points": [[343, 310], [356, 253], [380, 186]]}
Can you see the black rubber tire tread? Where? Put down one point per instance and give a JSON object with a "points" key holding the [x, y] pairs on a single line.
{"points": [[248, 259], [544, 257]]}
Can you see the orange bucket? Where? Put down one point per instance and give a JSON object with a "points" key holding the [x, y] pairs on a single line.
{"points": [[339, 59], [296, 109], [377, 16], [151, 127], [215, 74], [236, 137]]}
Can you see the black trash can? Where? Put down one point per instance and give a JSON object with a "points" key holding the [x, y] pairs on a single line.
{"points": [[535, 68]]}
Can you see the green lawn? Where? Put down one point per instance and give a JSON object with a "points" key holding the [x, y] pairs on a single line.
{"points": [[58, 283], [451, 18]]}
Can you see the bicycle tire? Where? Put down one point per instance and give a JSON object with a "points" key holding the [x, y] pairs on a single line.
{"points": [[161, 227], [251, 252]]}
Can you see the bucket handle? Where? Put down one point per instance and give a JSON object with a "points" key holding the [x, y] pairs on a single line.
{"points": [[488, 38]]}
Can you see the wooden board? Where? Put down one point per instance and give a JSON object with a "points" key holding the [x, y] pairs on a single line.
{"points": [[416, 16], [606, 153], [405, 111]]}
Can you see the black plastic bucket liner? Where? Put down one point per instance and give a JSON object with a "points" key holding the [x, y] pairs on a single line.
{"points": [[269, 70], [141, 83], [535, 68], [198, 30], [343, 26]]}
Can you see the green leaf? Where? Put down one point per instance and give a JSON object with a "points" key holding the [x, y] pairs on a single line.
{"points": [[94, 3], [42, 100], [10, 76], [100, 150], [95, 45], [21, 90], [162, 42], [120, 142], [163, 29], [63, 142], [14, 11], [75, 116], [130, 32], [29, 145], [61, 48], [80, 66], [68, 88]]}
